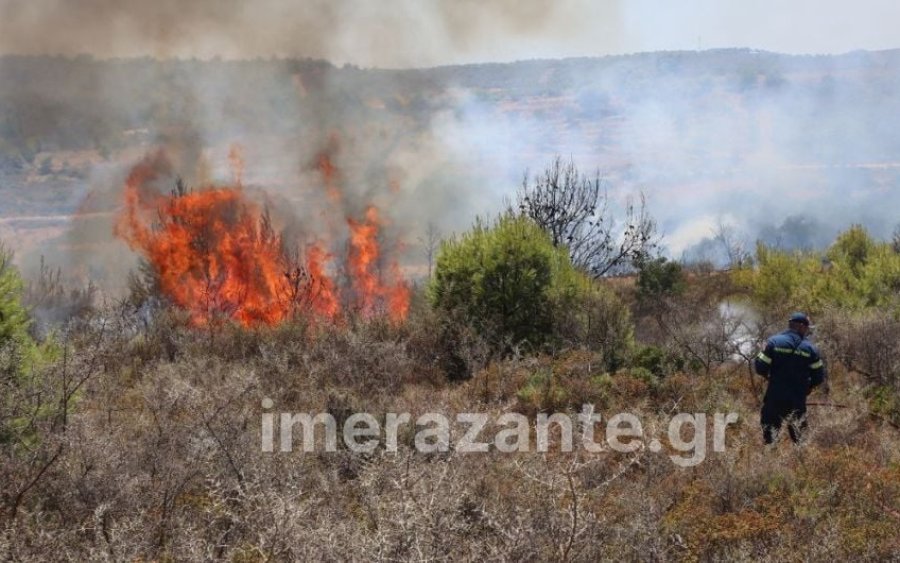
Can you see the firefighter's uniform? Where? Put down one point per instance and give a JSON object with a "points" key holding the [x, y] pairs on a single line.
{"points": [[793, 367]]}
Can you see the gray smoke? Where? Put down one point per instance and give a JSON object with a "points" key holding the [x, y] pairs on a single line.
{"points": [[400, 33], [404, 167]]}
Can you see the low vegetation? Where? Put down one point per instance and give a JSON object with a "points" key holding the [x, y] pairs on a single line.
{"points": [[129, 436]]}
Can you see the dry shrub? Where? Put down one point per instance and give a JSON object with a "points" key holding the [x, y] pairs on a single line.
{"points": [[868, 343], [52, 302], [159, 459], [596, 320], [448, 343]]}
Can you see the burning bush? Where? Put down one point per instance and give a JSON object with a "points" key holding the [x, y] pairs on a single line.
{"points": [[215, 253]]}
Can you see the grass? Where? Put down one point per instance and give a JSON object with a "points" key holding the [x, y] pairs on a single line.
{"points": [[160, 460]]}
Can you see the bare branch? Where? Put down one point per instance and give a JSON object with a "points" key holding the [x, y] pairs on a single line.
{"points": [[575, 210]]}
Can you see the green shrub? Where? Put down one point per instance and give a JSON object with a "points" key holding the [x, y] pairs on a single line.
{"points": [[658, 279], [503, 279], [564, 383], [516, 289], [779, 280], [852, 248], [857, 272], [644, 375], [19, 356], [884, 400], [657, 361], [19, 351], [595, 318], [543, 392], [13, 316]]}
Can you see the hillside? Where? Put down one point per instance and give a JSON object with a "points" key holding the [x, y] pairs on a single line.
{"points": [[753, 137]]}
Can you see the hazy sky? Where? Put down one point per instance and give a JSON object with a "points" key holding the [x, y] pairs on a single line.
{"points": [[392, 33]]}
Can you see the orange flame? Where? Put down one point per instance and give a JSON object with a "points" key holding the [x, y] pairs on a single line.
{"points": [[322, 290], [216, 255], [363, 258]]}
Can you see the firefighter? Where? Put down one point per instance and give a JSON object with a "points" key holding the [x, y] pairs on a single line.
{"points": [[793, 368]]}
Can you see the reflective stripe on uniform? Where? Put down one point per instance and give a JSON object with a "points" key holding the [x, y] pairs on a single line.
{"points": [[763, 358], [817, 365], [792, 351]]}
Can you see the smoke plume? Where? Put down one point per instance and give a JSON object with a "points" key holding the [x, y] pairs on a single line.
{"points": [[402, 33]]}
